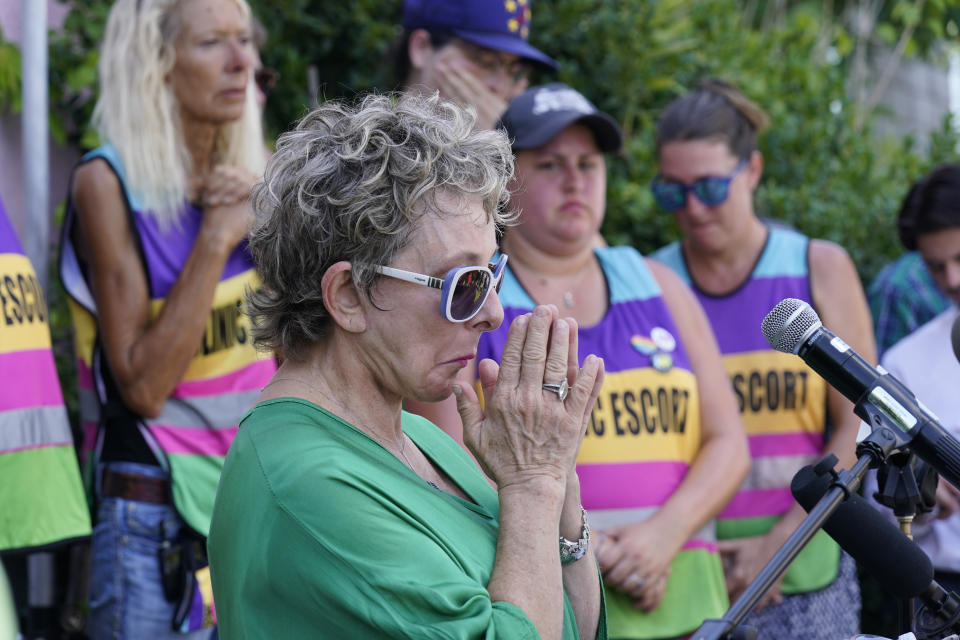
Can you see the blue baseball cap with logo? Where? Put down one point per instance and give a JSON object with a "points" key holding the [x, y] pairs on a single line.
{"points": [[537, 115], [503, 25]]}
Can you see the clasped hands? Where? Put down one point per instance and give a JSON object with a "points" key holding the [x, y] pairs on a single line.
{"points": [[635, 560], [525, 434], [743, 560], [225, 197]]}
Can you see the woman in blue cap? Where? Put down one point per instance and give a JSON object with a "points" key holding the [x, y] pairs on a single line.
{"points": [[474, 52], [664, 448]]}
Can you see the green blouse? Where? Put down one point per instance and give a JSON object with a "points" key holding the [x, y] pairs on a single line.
{"points": [[318, 531]]}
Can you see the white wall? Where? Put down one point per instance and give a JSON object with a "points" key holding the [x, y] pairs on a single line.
{"points": [[918, 98]]}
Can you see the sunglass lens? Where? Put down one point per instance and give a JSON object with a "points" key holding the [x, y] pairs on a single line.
{"points": [[669, 195], [498, 270], [469, 293], [711, 191], [266, 79]]}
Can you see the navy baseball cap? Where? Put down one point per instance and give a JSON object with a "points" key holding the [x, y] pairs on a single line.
{"points": [[537, 115], [503, 25]]}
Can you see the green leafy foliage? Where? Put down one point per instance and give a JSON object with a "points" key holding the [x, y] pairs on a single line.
{"points": [[73, 70], [10, 76], [344, 43], [825, 173], [822, 174]]}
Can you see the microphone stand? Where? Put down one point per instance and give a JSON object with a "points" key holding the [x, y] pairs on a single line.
{"points": [[908, 486], [872, 451]]}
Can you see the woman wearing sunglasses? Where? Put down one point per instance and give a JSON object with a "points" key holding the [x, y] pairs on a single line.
{"points": [[375, 236], [740, 267], [663, 450]]}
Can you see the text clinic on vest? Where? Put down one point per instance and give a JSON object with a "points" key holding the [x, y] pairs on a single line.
{"points": [[649, 411], [226, 328]]}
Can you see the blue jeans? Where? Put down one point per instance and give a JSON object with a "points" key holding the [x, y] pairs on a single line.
{"points": [[126, 591]]}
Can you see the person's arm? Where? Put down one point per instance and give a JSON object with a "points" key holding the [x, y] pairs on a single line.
{"points": [[842, 306], [148, 357], [581, 580], [646, 549]]}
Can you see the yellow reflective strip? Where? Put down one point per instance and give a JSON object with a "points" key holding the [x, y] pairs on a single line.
{"points": [[84, 332], [777, 392], [227, 343], [23, 313], [644, 416]]}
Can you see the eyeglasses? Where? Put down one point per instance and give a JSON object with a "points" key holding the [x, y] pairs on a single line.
{"points": [[463, 291], [266, 78], [711, 191], [494, 63]]}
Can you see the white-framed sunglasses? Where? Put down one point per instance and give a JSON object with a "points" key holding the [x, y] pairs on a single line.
{"points": [[463, 291]]}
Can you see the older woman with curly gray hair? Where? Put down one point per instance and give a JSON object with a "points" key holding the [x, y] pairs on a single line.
{"points": [[373, 235]]}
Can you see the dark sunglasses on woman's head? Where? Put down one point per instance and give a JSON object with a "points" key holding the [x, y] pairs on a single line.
{"points": [[266, 78], [463, 291], [711, 191]]}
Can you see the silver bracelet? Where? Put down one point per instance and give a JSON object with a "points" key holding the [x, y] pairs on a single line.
{"points": [[571, 551]]}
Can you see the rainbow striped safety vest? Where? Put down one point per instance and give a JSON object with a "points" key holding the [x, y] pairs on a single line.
{"points": [[40, 490], [782, 401], [643, 435], [191, 435]]}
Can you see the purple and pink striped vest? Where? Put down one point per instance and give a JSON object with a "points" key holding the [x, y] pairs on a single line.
{"points": [[191, 435], [643, 435], [782, 401]]}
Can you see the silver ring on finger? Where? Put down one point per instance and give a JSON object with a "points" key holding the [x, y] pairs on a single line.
{"points": [[634, 581], [560, 388]]}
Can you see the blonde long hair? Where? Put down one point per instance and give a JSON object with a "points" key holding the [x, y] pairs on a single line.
{"points": [[138, 114]]}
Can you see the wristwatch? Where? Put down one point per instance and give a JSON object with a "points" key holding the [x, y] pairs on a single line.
{"points": [[571, 551]]}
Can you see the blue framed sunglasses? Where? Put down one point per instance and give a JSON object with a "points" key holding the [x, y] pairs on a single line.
{"points": [[711, 191], [463, 291]]}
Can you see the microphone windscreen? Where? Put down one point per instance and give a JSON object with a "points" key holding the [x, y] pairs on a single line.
{"points": [[899, 565], [955, 337], [787, 325]]}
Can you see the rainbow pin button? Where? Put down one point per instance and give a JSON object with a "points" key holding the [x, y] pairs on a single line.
{"points": [[644, 345]]}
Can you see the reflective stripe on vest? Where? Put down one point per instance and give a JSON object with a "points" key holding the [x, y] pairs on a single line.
{"points": [[34, 428]]}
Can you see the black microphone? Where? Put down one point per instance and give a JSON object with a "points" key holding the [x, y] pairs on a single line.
{"points": [[896, 562], [794, 327], [899, 565]]}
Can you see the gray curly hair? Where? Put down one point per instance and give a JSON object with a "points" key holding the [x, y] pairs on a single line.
{"points": [[351, 183]]}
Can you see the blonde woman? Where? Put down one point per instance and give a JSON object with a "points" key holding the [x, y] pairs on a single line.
{"points": [[155, 262]]}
